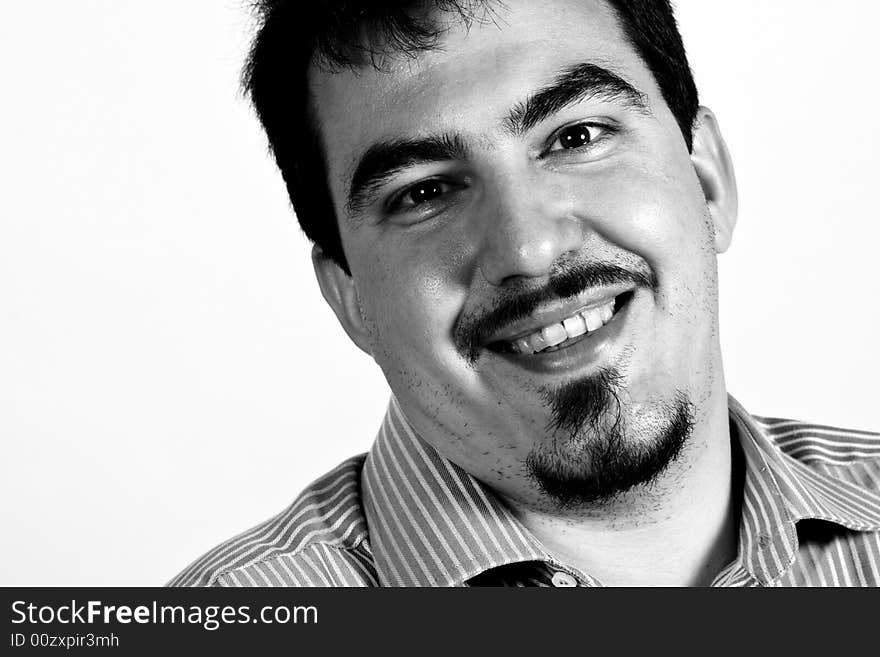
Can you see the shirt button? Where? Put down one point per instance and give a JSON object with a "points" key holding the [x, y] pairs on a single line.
{"points": [[563, 580]]}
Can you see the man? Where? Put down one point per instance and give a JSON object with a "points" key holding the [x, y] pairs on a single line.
{"points": [[516, 210]]}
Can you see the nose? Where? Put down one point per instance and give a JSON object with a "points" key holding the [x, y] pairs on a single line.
{"points": [[524, 229]]}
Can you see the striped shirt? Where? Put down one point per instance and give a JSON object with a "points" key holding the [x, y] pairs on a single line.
{"points": [[402, 515]]}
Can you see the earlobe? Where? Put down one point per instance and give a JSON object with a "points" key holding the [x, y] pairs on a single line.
{"points": [[714, 169], [340, 292]]}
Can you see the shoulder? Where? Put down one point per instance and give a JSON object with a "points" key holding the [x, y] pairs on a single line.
{"points": [[850, 454], [319, 540]]}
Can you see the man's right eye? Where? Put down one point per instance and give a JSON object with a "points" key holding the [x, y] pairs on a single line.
{"points": [[421, 193], [424, 192]]}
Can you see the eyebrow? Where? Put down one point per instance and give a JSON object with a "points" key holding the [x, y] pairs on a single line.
{"points": [[384, 159], [572, 86]]}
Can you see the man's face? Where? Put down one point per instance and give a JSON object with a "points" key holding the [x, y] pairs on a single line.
{"points": [[521, 185]]}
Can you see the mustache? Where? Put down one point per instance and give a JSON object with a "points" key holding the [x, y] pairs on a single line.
{"points": [[472, 333]]}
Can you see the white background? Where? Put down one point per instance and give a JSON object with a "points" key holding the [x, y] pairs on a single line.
{"points": [[169, 374]]}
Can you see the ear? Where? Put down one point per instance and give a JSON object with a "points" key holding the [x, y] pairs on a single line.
{"points": [[340, 292], [714, 169]]}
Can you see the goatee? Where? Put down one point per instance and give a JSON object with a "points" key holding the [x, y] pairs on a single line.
{"points": [[597, 451]]}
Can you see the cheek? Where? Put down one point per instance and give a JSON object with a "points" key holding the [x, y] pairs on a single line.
{"points": [[412, 294], [657, 212]]}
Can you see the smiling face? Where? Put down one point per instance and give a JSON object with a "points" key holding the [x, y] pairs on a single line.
{"points": [[532, 248]]}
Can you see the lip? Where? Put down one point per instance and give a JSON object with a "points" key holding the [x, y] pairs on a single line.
{"points": [[555, 312], [585, 352]]}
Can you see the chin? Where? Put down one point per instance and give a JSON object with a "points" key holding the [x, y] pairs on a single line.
{"points": [[599, 446]]}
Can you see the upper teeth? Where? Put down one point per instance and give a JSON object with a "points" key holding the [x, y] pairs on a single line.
{"points": [[585, 321]]}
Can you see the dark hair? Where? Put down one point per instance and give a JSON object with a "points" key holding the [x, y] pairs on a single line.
{"points": [[337, 34]]}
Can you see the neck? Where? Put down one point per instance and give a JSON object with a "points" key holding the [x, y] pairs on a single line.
{"points": [[679, 530]]}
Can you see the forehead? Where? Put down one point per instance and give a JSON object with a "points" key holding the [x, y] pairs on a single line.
{"points": [[467, 84]]}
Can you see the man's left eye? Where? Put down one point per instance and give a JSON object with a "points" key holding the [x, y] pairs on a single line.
{"points": [[577, 136]]}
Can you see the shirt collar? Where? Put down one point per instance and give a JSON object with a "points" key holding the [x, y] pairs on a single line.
{"points": [[780, 491], [433, 524]]}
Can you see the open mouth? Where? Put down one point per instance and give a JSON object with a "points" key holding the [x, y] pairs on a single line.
{"points": [[571, 330]]}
